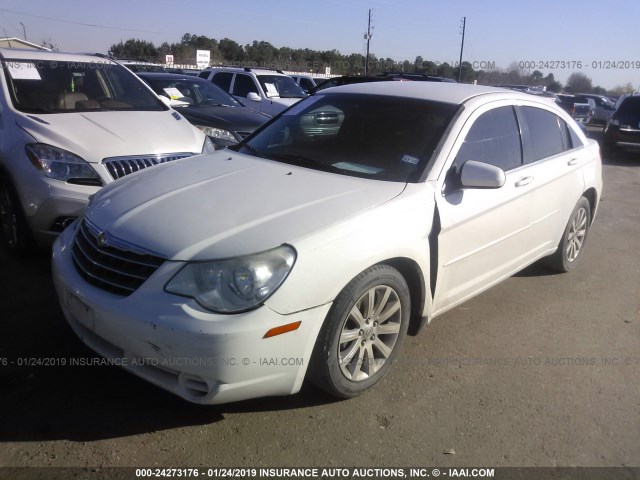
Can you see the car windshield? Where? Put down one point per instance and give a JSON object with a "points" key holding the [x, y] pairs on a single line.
{"points": [[280, 86], [630, 108], [52, 86], [370, 136], [190, 92]]}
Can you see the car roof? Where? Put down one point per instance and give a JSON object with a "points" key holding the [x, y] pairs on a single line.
{"points": [[455, 93], [169, 76], [26, 54], [255, 70]]}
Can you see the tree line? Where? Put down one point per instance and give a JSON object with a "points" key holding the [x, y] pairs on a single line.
{"points": [[264, 54]]}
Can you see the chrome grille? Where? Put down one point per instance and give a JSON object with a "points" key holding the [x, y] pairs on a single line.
{"points": [[121, 166], [116, 267]]}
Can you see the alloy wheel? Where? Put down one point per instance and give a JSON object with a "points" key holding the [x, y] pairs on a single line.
{"points": [[369, 333]]}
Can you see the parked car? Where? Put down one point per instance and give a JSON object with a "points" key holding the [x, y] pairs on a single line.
{"points": [[71, 124], [604, 107], [220, 116], [581, 109], [346, 80], [267, 91], [306, 82], [331, 245], [417, 77], [352, 79], [623, 128]]}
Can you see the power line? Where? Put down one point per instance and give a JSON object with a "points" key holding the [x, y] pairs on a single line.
{"points": [[83, 24]]}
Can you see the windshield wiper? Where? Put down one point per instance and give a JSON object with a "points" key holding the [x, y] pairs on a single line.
{"points": [[254, 151]]}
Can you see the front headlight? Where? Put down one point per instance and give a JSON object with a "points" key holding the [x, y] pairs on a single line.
{"points": [[207, 146], [57, 163], [218, 136], [236, 284]]}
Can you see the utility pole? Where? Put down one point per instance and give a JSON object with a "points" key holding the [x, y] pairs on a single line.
{"points": [[24, 31], [464, 25], [367, 37]]}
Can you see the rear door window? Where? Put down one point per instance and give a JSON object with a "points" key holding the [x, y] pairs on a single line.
{"points": [[545, 137]]}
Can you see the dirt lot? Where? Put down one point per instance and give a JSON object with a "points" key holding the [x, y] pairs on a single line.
{"points": [[542, 370]]}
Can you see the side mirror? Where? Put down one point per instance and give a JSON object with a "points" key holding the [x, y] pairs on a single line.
{"points": [[253, 96], [482, 175]]}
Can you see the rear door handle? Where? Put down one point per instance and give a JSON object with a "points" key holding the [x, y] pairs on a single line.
{"points": [[573, 161], [524, 181]]}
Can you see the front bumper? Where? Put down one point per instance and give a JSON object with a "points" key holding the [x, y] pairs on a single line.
{"points": [[177, 345], [45, 200]]}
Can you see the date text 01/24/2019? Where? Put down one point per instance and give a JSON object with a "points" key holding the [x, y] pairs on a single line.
{"points": [[579, 64]]}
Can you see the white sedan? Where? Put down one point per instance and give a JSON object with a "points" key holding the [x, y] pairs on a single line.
{"points": [[310, 249]]}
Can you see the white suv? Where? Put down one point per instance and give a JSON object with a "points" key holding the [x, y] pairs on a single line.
{"points": [[267, 91], [71, 124]]}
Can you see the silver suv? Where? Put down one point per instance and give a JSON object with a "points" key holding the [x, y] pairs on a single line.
{"points": [[71, 124], [267, 91]]}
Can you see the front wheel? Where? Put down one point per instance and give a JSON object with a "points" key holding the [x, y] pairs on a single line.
{"points": [[363, 333], [571, 245]]}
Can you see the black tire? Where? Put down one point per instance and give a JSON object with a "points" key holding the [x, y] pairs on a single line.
{"points": [[14, 229], [373, 335], [571, 244]]}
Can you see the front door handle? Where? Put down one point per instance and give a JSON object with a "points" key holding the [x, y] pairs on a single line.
{"points": [[573, 161], [524, 181]]}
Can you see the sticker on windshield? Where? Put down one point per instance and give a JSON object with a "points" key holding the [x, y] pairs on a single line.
{"points": [[23, 70], [410, 159], [272, 91], [173, 93], [303, 104]]}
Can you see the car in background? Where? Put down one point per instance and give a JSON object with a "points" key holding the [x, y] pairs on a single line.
{"points": [[220, 116], [384, 77], [311, 255], [623, 128], [604, 107], [267, 91], [416, 77], [345, 80], [306, 82], [183, 71], [71, 124], [581, 109]]}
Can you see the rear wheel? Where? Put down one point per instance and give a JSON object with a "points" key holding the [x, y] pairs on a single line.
{"points": [[363, 333], [571, 245], [13, 225]]}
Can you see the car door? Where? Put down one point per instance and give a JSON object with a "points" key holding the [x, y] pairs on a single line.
{"points": [[484, 233], [554, 154]]}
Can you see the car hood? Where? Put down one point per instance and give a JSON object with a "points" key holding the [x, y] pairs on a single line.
{"points": [[228, 204], [237, 119], [97, 135]]}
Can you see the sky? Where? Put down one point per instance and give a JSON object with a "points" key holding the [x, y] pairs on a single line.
{"points": [[559, 37]]}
